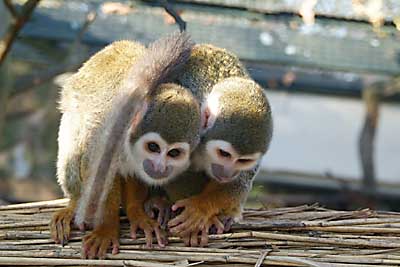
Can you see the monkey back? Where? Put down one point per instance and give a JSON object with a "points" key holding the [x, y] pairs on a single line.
{"points": [[207, 66]]}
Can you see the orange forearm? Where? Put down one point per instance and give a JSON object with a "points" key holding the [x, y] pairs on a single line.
{"points": [[217, 198], [134, 195]]}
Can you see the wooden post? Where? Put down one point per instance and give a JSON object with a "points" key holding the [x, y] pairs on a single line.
{"points": [[371, 97]]}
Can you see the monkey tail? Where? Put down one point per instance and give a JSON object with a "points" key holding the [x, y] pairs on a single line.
{"points": [[161, 60]]}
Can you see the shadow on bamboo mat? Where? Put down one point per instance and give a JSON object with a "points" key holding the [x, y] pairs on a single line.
{"points": [[296, 236]]}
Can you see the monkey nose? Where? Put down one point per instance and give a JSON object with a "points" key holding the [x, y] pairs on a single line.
{"points": [[155, 172], [222, 174]]}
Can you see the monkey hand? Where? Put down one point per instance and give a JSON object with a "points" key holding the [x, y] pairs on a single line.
{"points": [[148, 225], [96, 243], [195, 221], [159, 208], [60, 225]]}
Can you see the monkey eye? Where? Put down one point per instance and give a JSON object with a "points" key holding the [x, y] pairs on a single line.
{"points": [[153, 147], [173, 153], [224, 154], [245, 160]]}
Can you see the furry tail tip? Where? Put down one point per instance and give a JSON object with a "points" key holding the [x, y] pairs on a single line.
{"points": [[163, 58]]}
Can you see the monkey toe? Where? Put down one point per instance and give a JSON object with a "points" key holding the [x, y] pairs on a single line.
{"points": [[60, 226], [96, 244], [149, 226]]}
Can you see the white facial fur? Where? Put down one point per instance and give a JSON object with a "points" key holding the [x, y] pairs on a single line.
{"points": [[223, 163], [139, 155]]}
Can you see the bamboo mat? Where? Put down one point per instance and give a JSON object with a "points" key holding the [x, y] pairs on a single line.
{"points": [[296, 236]]}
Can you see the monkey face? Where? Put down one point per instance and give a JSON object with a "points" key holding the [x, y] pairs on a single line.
{"points": [[155, 161], [223, 163]]}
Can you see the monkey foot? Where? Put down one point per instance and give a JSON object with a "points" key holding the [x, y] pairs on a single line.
{"points": [[148, 225], [194, 222], [96, 243], [60, 225]]}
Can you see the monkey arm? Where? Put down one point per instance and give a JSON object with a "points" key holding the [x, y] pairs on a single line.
{"points": [[201, 211], [106, 232], [135, 194]]}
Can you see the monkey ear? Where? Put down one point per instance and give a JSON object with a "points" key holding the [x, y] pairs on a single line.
{"points": [[139, 115], [208, 117]]}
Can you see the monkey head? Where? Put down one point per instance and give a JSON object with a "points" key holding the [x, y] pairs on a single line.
{"points": [[236, 129], [160, 148]]}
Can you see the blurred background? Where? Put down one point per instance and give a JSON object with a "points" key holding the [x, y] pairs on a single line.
{"points": [[331, 69]]}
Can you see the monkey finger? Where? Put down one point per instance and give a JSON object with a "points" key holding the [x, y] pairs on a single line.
{"points": [[186, 240], [60, 233], [134, 228], [53, 231], [188, 227], [102, 250], [178, 219], [204, 238], [190, 230], [84, 252], [194, 239], [218, 224], [161, 216], [115, 246], [149, 238], [228, 222], [167, 217], [185, 226], [148, 208], [87, 243], [66, 230], [159, 236], [179, 204], [94, 249]]}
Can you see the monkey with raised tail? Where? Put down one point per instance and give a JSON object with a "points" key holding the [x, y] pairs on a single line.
{"points": [[123, 128], [236, 132]]}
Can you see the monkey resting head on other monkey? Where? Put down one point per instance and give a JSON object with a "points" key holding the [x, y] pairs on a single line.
{"points": [[236, 133]]}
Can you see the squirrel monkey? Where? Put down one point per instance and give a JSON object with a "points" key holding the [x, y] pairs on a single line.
{"points": [[122, 128], [236, 132]]}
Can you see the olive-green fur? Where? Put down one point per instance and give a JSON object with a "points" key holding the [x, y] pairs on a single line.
{"points": [[245, 116], [187, 184], [101, 76], [87, 97], [98, 80], [174, 114], [207, 66]]}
